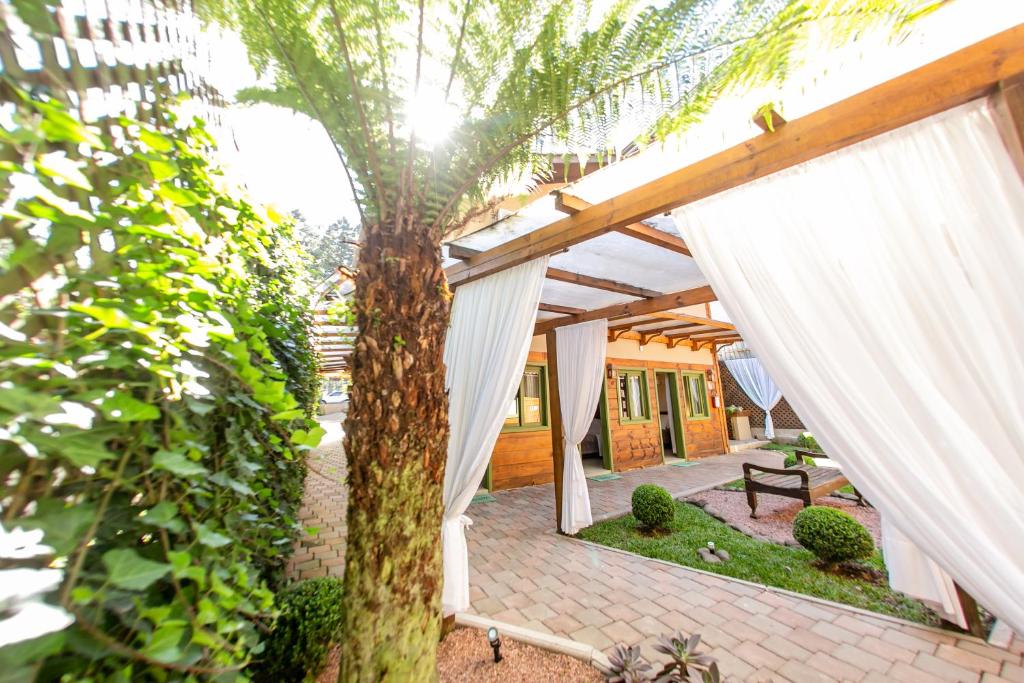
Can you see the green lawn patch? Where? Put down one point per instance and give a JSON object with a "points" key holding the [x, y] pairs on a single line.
{"points": [[757, 561]]}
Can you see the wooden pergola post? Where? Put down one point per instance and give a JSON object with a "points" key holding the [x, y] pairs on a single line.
{"points": [[555, 412]]}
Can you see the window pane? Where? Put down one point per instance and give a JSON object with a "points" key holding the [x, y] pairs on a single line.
{"points": [[696, 396], [623, 405], [512, 416], [533, 413], [635, 397]]}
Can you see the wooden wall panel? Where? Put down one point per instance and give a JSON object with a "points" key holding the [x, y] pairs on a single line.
{"points": [[633, 445], [522, 458]]}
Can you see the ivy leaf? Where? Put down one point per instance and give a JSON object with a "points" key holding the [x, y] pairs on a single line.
{"points": [[36, 14], [289, 415], [162, 169], [163, 644], [60, 126], [222, 479], [62, 525], [199, 407], [210, 538], [123, 408], [57, 165], [165, 516], [176, 462], [155, 140], [22, 401], [127, 569]]}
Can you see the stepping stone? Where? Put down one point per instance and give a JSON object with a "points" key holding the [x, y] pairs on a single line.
{"points": [[708, 556]]}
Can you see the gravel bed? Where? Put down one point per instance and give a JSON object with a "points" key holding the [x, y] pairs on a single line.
{"points": [[466, 657], [775, 513]]}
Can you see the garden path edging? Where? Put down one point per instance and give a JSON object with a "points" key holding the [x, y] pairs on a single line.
{"points": [[544, 641]]}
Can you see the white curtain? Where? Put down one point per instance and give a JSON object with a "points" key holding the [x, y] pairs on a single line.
{"points": [[758, 385], [580, 351], [485, 353], [894, 328]]}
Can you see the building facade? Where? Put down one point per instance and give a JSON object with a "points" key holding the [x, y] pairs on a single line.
{"points": [[657, 403]]}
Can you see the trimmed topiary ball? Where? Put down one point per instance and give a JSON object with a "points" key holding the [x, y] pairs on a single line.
{"points": [[832, 535], [653, 507], [310, 622]]}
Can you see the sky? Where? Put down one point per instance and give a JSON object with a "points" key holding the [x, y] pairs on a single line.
{"points": [[284, 158]]}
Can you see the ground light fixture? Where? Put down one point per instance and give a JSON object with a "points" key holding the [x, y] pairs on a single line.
{"points": [[495, 641]]}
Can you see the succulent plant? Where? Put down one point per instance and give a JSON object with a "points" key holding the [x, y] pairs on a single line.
{"points": [[687, 664], [629, 666]]}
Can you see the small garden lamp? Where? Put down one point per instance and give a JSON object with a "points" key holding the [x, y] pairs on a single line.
{"points": [[492, 638]]}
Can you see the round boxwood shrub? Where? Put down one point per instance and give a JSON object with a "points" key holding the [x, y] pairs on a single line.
{"points": [[309, 623], [653, 507], [832, 535]]}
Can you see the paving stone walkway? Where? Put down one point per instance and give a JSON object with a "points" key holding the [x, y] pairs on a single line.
{"points": [[523, 573]]}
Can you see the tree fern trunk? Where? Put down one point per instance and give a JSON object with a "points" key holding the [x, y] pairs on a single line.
{"points": [[396, 444]]}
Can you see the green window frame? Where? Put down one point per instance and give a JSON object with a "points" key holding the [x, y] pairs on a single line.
{"points": [[634, 398], [695, 391], [528, 411]]}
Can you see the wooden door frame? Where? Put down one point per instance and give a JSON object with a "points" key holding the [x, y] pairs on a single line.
{"points": [[675, 410], [607, 456]]}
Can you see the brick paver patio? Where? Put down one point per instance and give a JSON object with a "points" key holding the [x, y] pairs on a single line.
{"points": [[523, 573]]}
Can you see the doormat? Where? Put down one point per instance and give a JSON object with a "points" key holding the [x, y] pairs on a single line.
{"points": [[483, 498], [685, 463], [610, 476]]}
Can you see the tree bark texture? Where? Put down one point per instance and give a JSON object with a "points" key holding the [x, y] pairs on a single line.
{"points": [[396, 438]]}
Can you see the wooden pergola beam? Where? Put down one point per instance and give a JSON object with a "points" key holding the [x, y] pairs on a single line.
{"points": [[703, 334], [464, 253], [665, 302], [570, 204], [635, 323], [555, 308], [1009, 109], [962, 76], [697, 320], [600, 283]]}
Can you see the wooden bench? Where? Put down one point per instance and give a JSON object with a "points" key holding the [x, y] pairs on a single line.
{"points": [[803, 482]]}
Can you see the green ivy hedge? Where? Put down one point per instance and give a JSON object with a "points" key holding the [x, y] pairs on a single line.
{"points": [[156, 380]]}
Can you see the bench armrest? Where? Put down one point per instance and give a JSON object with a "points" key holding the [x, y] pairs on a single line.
{"points": [[810, 454], [749, 467]]}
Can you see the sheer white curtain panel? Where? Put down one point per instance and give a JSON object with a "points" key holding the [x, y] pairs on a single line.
{"points": [[581, 352], [485, 353], [756, 383], [880, 287]]}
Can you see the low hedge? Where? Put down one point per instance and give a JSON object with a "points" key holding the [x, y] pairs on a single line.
{"points": [[309, 624], [653, 506], [832, 535]]}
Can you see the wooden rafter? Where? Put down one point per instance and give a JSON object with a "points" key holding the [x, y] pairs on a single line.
{"points": [[967, 74], [1009, 108], [570, 204], [555, 308], [459, 252], [665, 302], [601, 283]]}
